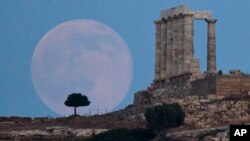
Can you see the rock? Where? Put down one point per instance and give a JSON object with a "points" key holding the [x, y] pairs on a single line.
{"points": [[40, 133], [14, 133], [88, 132], [221, 135], [204, 100], [26, 133], [30, 133], [59, 130], [83, 132], [208, 138], [215, 139], [98, 131], [211, 97]]}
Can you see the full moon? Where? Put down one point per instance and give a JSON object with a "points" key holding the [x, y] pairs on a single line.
{"points": [[81, 56]]}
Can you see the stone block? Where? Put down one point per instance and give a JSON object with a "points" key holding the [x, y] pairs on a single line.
{"points": [[219, 97], [202, 15], [211, 97]]}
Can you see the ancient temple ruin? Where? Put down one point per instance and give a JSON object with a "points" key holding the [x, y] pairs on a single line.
{"points": [[177, 71], [209, 98], [174, 51]]}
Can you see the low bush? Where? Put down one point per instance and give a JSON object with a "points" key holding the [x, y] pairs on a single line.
{"points": [[122, 134], [165, 116]]}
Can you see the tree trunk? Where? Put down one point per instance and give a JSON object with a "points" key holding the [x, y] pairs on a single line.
{"points": [[75, 111]]}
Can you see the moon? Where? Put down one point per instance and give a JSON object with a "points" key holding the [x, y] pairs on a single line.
{"points": [[81, 56]]}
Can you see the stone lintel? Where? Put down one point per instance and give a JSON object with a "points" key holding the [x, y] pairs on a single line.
{"points": [[174, 11], [183, 10], [211, 20], [201, 15], [159, 21]]}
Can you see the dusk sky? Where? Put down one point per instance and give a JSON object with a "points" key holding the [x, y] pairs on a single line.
{"points": [[23, 23]]}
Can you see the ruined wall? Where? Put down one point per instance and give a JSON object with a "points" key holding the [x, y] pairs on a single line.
{"points": [[214, 110], [183, 85], [141, 98], [223, 85], [208, 102], [232, 84], [203, 87], [210, 112], [178, 79], [177, 86]]}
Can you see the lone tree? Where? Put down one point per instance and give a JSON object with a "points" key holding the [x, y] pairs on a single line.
{"points": [[165, 116], [76, 100]]}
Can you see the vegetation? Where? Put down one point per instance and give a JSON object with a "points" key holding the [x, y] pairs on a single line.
{"points": [[159, 118], [211, 133], [76, 100], [165, 116], [122, 134]]}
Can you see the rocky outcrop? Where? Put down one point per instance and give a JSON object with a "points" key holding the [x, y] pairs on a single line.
{"points": [[51, 133], [213, 110]]}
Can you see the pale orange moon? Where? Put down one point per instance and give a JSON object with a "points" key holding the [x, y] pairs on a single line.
{"points": [[81, 56]]}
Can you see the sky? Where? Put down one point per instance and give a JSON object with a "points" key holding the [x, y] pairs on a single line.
{"points": [[24, 23]]}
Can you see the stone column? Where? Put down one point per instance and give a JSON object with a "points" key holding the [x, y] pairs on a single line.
{"points": [[169, 47], [188, 41], [211, 46], [180, 44], [175, 46], [157, 50], [163, 48]]}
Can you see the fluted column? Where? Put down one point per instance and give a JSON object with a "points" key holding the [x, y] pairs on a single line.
{"points": [[211, 46], [180, 44], [157, 50], [169, 47], [163, 48], [175, 47], [188, 41]]}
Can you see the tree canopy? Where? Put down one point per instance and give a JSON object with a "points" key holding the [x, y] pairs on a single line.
{"points": [[165, 116], [76, 100]]}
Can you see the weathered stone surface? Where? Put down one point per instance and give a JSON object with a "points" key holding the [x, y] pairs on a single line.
{"points": [[55, 133], [158, 50], [174, 43], [59, 130], [88, 132], [29, 133], [83, 132], [174, 11], [211, 46], [215, 112]]}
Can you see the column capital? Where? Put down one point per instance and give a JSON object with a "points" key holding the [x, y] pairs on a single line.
{"points": [[188, 14], [157, 21], [211, 20], [163, 20], [181, 15]]}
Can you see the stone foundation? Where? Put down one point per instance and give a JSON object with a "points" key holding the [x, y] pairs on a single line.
{"points": [[211, 112], [184, 85], [209, 102], [214, 110]]}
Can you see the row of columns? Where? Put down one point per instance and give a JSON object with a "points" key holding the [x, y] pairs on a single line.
{"points": [[174, 46]]}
